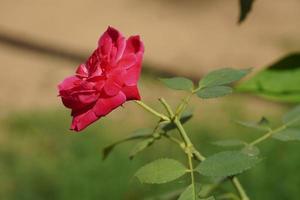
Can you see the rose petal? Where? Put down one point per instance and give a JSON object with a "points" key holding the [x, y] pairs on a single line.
{"points": [[131, 93], [69, 83], [111, 88], [106, 105], [121, 44], [106, 80], [127, 61], [117, 75], [83, 120], [88, 98], [132, 76], [82, 71], [99, 85], [134, 45], [112, 45]]}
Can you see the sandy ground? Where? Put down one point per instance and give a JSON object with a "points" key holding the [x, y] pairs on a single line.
{"points": [[190, 38]]}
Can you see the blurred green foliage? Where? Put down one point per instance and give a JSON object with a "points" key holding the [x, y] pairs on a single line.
{"points": [[279, 81], [40, 159]]}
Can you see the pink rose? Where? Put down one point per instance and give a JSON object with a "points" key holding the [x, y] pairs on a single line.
{"points": [[105, 81]]}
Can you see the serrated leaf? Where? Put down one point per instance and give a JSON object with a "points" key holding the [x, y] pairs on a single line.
{"points": [[188, 193], [213, 92], [178, 83], [251, 150], [161, 171], [138, 134], [222, 77], [229, 143], [140, 146], [226, 163], [292, 117], [289, 134], [245, 8], [279, 81], [185, 117]]}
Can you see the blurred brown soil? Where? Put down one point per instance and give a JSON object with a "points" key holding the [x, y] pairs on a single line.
{"points": [[188, 38]]}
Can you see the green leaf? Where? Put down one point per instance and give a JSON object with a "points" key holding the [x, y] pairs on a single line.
{"points": [[226, 163], [213, 92], [188, 194], [178, 83], [229, 143], [279, 82], [251, 150], [138, 134], [245, 8], [292, 117], [205, 190], [222, 77], [140, 146], [262, 124], [161, 171], [185, 117], [228, 196], [289, 134], [208, 198]]}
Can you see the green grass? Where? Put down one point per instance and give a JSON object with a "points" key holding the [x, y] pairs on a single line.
{"points": [[41, 159]]}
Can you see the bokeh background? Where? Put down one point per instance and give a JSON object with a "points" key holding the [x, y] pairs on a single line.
{"points": [[41, 42]]}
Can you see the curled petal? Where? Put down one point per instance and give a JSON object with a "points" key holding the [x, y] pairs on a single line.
{"points": [[69, 83], [134, 45], [83, 120], [112, 44], [97, 72], [82, 71], [106, 105], [131, 93]]}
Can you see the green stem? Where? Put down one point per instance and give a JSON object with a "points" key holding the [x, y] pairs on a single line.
{"points": [[190, 155], [187, 140], [147, 108], [189, 147], [235, 181], [167, 107], [200, 157], [181, 107], [175, 140], [272, 132], [267, 135]]}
